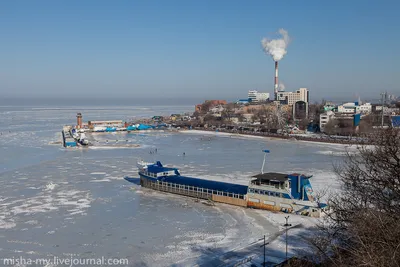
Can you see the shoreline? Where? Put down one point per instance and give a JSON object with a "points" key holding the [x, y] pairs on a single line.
{"points": [[271, 136]]}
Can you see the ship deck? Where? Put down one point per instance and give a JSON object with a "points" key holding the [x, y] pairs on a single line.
{"points": [[208, 184]]}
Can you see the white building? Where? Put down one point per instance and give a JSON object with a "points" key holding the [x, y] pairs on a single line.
{"points": [[324, 118], [364, 108], [387, 110], [290, 98], [256, 96], [352, 107], [347, 108], [217, 109]]}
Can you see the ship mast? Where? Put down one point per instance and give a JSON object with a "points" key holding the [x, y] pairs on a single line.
{"points": [[265, 155]]}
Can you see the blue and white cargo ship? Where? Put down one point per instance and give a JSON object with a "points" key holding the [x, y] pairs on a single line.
{"points": [[290, 193]]}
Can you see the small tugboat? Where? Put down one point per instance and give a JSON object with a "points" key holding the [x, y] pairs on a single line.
{"points": [[290, 193]]}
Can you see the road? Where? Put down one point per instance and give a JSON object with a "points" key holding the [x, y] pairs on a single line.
{"points": [[252, 253]]}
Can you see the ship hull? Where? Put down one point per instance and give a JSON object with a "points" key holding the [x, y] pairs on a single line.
{"points": [[237, 196]]}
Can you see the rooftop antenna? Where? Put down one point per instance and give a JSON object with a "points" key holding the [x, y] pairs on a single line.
{"points": [[265, 155], [383, 99]]}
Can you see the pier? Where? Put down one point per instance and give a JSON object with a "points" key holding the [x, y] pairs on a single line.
{"points": [[74, 135]]}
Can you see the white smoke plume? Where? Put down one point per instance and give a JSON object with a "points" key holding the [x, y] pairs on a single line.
{"points": [[281, 87], [276, 47]]}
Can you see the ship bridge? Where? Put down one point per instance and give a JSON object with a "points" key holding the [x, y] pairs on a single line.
{"points": [[271, 179]]}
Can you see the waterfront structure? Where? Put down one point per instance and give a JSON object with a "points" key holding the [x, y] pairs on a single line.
{"points": [[79, 120], [289, 98], [116, 123], [255, 97]]}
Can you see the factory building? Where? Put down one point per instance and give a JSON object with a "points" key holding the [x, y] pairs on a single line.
{"points": [[289, 98]]}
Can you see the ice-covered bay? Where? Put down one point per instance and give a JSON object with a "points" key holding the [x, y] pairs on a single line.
{"points": [[61, 202]]}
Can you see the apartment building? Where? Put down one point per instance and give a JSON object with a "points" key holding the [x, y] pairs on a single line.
{"points": [[289, 98]]}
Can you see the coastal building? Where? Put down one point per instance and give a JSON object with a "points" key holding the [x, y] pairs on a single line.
{"points": [[347, 108], [300, 110], [364, 108], [247, 117], [329, 106], [324, 118], [157, 118], [355, 107], [243, 101], [217, 109], [255, 108], [79, 120], [289, 98], [118, 123], [210, 103], [256, 97], [251, 108], [387, 110]]}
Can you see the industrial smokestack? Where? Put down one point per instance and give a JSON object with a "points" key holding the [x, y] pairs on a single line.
{"points": [[276, 79], [276, 48]]}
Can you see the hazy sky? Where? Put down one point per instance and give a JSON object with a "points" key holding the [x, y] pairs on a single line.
{"points": [[202, 49]]}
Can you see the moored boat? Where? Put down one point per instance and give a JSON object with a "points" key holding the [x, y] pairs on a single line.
{"points": [[290, 193]]}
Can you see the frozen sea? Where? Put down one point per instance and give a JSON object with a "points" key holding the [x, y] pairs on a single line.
{"points": [[76, 202]]}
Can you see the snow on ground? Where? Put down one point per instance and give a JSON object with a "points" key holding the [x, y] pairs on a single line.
{"points": [[301, 228], [222, 134]]}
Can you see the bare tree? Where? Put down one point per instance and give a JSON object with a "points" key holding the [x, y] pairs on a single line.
{"points": [[228, 112], [330, 127], [365, 127], [275, 119], [205, 107], [304, 123], [196, 114], [315, 110], [364, 226], [255, 117]]}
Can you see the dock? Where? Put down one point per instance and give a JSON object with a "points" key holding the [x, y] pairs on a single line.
{"points": [[74, 135], [67, 139]]}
